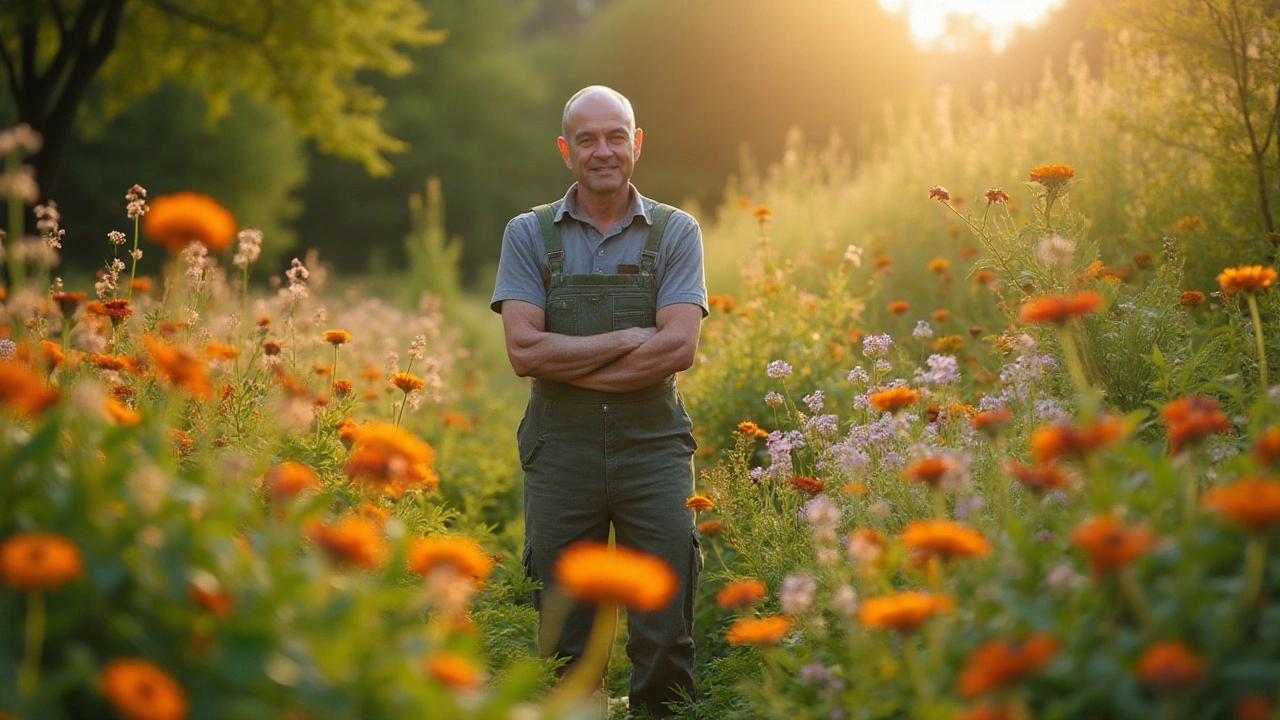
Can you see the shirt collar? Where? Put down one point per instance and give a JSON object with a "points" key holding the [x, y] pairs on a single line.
{"points": [[569, 205]]}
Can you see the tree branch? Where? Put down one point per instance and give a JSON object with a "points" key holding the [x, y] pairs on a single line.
{"points": [[10, 72], [227, 29], [58, 17], [73, 43]]}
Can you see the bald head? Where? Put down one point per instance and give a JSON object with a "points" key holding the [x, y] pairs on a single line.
{"points": [[599, 93]]}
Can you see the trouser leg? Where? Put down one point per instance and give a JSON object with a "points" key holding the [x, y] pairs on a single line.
{"points": [[564, 503], [649, 466]]}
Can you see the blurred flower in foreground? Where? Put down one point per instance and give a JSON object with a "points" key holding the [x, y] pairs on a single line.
{"points": [[1251, 502], [460, 552], [350, 541], [945, 539], [597, 573], [758, 631], [139, 690], [904, 611], [1111, 544], [1247, 278], [1192, 418], [23, 390], [176, 220], [1052, 176], [1058, 309], [1169, 666], [997, 664], [453, 670], [36, 561], [741, 593]]}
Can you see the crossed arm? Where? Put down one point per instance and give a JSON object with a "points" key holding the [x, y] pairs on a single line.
{"points": [[618, 361]]}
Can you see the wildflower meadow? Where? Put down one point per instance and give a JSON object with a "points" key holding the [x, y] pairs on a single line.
{"points": [[987, 430]]}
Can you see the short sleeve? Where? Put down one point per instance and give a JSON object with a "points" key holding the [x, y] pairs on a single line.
{"points": [[682, 278], [520, 270]]}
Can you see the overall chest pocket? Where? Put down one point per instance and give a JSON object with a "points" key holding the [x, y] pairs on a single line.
{"points": [[632, 311], [562, 316]]}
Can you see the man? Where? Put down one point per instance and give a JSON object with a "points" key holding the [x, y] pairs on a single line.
{"points": [[601, 295]]}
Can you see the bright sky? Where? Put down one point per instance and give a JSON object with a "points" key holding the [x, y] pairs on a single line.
{"points": [[927, 18]]}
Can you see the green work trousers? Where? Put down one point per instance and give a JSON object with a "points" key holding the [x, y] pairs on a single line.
{"points": [[592, 461]]}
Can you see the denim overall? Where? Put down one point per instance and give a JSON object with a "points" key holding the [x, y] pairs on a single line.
{"points": [[594, 459]]}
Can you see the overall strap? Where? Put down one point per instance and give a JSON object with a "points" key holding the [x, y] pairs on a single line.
{"points": [[649, 256], [551, 239]]}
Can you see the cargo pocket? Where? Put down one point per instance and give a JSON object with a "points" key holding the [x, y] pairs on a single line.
{"points": [[697, 556], [562, 315], [526, 559], [533, 431]]}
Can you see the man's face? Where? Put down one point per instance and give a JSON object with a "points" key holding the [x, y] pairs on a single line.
{"points": [[600, 145]]}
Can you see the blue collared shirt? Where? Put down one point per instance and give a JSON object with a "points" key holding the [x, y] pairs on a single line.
{"points": [[523, 264]]}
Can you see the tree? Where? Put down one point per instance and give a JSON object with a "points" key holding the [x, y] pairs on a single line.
{"points": [[1228, 52], [303, 57]]}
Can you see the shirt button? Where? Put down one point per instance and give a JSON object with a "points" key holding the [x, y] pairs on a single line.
{"points": [[601, 252], [604, 408]]}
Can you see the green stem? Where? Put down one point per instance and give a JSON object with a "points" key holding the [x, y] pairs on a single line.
{"points": [[1190, 498], [333, 376], [939, 503], [1257, 337], [911, 657], [29, 673], [1133, 594], [133, 269], [1255, 566], [1072, 357], [588, 670]]}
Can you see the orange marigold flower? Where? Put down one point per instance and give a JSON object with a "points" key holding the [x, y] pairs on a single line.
{"points": [[1142, 260], [699, 503], [337, 337], [903, 611], [1267, 448], [452, 670], [218, 351], [1049, 443], [991, 422], [938, 265], [939, 193], [1045, 477], [183, 443], [1058, 309], [459, 552], [1169, 666], [140, 284], [945, 539], [949, 344], [882, 261], [350, 540], [762, 213], [454, 419], [68, 302], [408, 382], [179, 366], [114, 363], [741, 593], [855, 488], [1191, 419], [898, 307], [1191, 298], [988, 711], [120, 414], [758, 631], [1246, 278], [747, 427], [996, 195], [1251, 502], [596, 573], [893, 399], [52, 353], [1253, 707], [343, 388], [385, 456], [710, 528], [271, 348], [932, 470], [743, 203], [941, 314], [23, 390], [811, 485], [117, 310], [369, 511], [182, 218], [997, 664], [289, 478], [1111, 544], [139, 690], [1052, 176], [984, 277], [38, 561]]}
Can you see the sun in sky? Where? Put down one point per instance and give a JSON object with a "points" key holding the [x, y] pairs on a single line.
{"points": [[927, 19]]}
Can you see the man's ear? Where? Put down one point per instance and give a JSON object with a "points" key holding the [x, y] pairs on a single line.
{"points": [[639, 141], [564, 151]]}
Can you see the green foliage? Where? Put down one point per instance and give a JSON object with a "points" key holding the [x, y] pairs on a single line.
{"points": [[433, 258], [270, 53]]}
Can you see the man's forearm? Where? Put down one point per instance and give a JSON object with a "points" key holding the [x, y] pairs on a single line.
{"points": [[563, 358], [651, 362]]}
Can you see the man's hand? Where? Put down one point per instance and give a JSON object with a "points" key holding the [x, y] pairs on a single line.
{"points": [[534, 352], [668, 351]]}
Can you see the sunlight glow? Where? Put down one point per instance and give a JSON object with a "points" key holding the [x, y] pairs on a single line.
{"points": [[927, 19]]}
